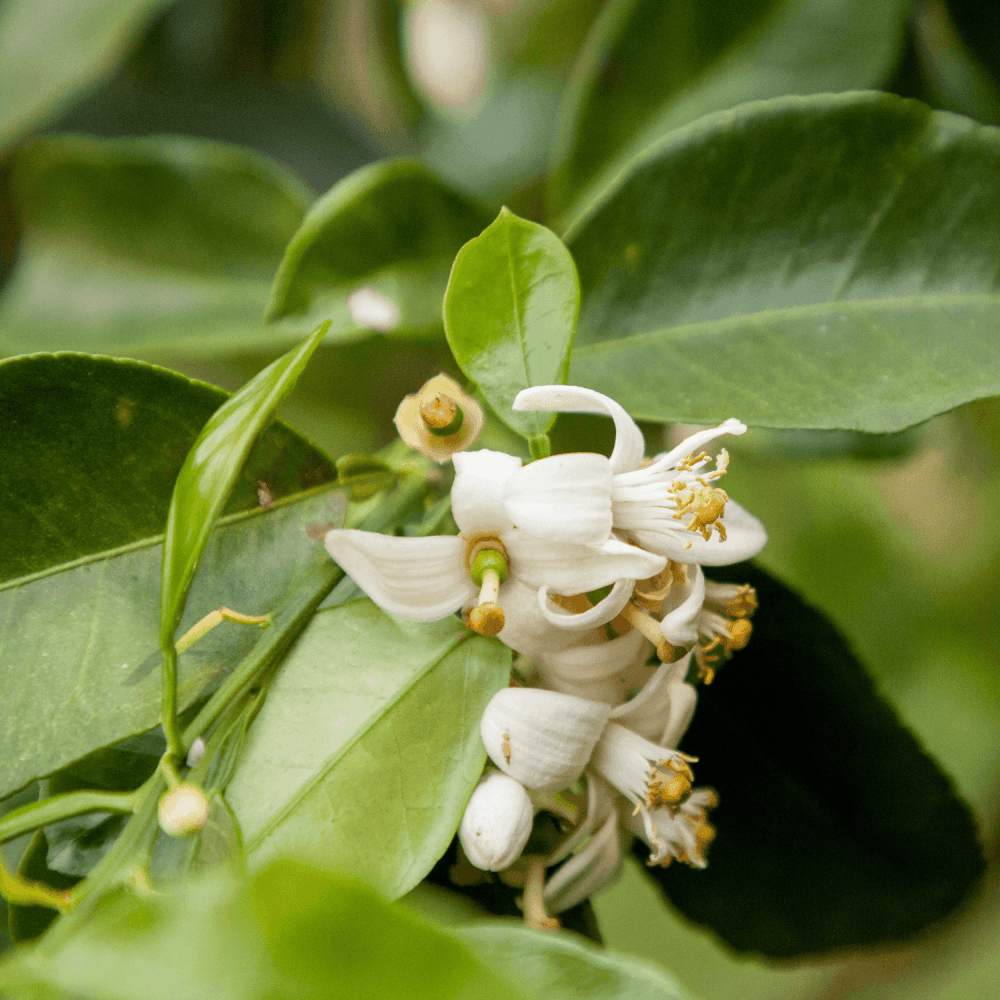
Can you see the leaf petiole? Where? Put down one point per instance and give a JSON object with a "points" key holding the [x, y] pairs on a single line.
{"points": [[38, 814], [23, 892]]}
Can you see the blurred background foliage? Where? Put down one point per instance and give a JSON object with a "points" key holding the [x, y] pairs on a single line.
{"points": [[894, 538]]}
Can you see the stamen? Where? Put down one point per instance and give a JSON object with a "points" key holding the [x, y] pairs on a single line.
{"points": [[441, 415], [650, 628], [488, 570], [535, 917]]}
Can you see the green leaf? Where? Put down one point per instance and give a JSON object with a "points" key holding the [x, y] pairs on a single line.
{"points": [[210, 471], [728, 275], [564, 967], [370, 733], [79, 653], [651, 66], [47, 54], [835, 829], [392, 228], [292, 932], [153, 245], [92, 447], [28, 922], [509, 313]]}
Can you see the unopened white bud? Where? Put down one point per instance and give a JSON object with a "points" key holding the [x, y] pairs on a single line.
{"points": [[543, 739], [196, 752], [183, 810], [497, 822]]}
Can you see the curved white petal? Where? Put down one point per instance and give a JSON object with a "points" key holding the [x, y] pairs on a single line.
{"points": [[695, 443], [567, 568], [477, 493], [601, 613], [652, 713], [565, 498], [542, 739], [417, 578], [595, 667], [525, 628], [745, 537], [629, 443], [595, 867], [679, 626], [600, 805]]}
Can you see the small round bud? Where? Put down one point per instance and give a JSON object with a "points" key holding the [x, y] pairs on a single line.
{"points": [[183, 810], [497, 822]]}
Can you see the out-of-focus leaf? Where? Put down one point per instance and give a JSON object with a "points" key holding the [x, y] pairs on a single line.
{"points": [[92, 447], [387, 233], [210, 471], [291, 932], [562, 967], [49, 51], [153, 245], [729, 275], [510, 312], [28, 922], [650, 66], [370, 734], [835, 829]]}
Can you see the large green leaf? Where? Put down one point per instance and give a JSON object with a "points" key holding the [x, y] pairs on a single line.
{"points": [[650, 66], [370, 734], [835, 829], [149, 245], [392, 228], [210, 471], [823, 262], [92, 447], [49, 51], [510, 311], [291, 933], [563, 967]]}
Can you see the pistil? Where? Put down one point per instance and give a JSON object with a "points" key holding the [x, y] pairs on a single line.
{"points": [[488, 570], [441, 415]]}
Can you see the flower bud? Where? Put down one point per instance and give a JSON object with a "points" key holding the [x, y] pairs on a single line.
{"points": [[183, 810], [497, 822], [542, 739], [440, 419]]}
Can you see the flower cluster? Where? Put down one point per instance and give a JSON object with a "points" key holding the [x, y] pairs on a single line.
{"points": [[589, 566]]}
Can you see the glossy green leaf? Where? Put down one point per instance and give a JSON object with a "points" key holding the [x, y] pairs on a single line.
{"points": [[92, 447], [79, 654], [729, 275], [391, 229], [835, 829], [210, 471], [650, 66], [563, 967], [370, 734], [510, 312], [49, 52], [291, 933], [152, 245]]}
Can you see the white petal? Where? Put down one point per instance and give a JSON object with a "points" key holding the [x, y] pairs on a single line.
{"points": [[594, 868], [696, 442], [541, 738], [417, 578], [601, 613], [679, 626], [593, 669], [745, 537], [651, 713], [496, 823], [629, 443], [565, 498], [525, 628], [477, 493], [600, 805], [577, 569]]}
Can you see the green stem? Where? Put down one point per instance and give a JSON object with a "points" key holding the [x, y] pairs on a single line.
{"points": [[168, 701], [539, 446], [39, 814]]}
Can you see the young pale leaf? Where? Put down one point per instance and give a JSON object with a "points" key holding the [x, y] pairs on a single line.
{"points": [[510, 311], [727, 276], [373, 254], [835, 829], [150, 245], [92, 447], [650, 66], [210, 471], [370, 733], [47, 54], [563, 967], [291, 932]]}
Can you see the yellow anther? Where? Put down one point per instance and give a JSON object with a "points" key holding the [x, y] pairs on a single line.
{"points": [[668, 787], [650, 628], [706, 504], [744, 604], [739, 633]]}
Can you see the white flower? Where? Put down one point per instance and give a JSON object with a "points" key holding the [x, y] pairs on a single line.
{"points": [[504, 573], [671, 506], [496, 823]]}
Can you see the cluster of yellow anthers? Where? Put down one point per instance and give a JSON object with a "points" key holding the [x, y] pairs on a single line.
{"points": [[586, 565]]}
